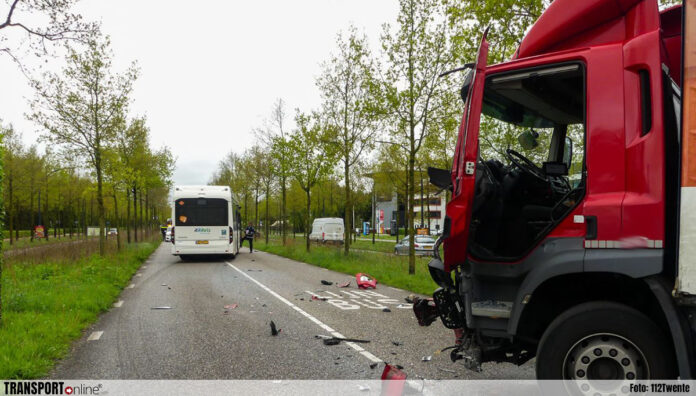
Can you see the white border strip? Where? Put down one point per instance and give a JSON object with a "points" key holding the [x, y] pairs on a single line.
{"points": [[333, 332]]}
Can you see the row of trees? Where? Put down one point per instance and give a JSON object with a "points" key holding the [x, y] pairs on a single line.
{"points": [[384, 115]]}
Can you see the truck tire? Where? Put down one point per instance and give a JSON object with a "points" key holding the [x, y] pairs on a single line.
{"points": [[604, 340]]}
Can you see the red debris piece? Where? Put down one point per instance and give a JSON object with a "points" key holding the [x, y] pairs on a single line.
{"points": [[365, 281]]}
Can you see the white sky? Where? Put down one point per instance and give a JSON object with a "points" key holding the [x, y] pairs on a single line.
{"points": [[211, 70]]}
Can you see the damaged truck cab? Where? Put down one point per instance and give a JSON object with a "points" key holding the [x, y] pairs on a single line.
{"points": [[562, 236]]}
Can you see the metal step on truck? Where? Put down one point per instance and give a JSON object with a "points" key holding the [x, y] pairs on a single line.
{"points": [[571, 232]]}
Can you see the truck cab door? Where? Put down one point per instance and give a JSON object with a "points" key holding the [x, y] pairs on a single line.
{"points": [[464, 167]]}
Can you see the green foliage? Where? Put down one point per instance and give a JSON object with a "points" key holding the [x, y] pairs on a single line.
{"points": [[48, 305]]}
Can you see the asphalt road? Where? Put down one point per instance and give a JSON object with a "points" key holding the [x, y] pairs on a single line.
{"points": [[196, 339]]}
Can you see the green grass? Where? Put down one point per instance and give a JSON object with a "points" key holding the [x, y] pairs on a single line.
{"points": [[47, 306], [24, 243], [387, 268]]}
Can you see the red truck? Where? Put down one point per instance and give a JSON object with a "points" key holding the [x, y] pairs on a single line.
{"points": [[571, 232]]}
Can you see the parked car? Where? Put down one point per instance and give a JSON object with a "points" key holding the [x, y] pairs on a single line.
{"points": [[327, 229], [423, 245]]}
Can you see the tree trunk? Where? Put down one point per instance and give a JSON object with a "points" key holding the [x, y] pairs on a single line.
{"points": [[100, 206], [128, 215], [346, 211], [135, 213], [265, 226], [117, 223], [10, 213], [309, 217], [411, 205], [282, 211]]}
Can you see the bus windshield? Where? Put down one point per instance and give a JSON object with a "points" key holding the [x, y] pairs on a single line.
{"points": [[201, 212]]}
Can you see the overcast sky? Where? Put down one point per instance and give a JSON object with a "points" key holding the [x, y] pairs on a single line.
{"points": [[211, 70]]}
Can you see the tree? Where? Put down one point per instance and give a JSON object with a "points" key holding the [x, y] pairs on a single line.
{"points": [[346, 86], [82, 108], [417, 53], [311, 157], [18, 34]]}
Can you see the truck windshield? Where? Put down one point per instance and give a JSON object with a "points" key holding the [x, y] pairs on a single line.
{"points": [[201, 212]]}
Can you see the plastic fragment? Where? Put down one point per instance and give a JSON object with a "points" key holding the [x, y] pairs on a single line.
{"points": [[346, 284], [373, 365], [274, 331], [327, 283], [230, 306], [427, 358], [363, 388], [397, 343], [386, 310], [163, 307]]}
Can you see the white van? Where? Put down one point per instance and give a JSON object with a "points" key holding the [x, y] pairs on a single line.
{"points": [[327, 229], [206, 221]]}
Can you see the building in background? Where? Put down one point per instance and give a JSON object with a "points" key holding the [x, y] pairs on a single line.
{"points": [[432, 208]]}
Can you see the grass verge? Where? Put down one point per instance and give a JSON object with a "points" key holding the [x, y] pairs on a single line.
{"points": [[387, 268], [46, 306]]}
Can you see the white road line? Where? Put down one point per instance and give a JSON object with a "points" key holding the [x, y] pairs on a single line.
{"points": [[334, 333], [118, 304], [132, 285], [95, 336]]}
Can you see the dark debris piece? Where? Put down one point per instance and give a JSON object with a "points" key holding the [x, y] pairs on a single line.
{"points": [[327, 283], [386, 310], [274, 331], [373, 365], [397, 343]]}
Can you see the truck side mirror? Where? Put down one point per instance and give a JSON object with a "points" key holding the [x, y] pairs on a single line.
{"points": [[441, 178]]}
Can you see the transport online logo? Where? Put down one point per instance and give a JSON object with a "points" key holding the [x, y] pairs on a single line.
{"points": [[49, 388], [201, 229]]}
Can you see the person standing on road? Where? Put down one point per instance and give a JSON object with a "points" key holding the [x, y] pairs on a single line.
{"points": [[249, 236]]}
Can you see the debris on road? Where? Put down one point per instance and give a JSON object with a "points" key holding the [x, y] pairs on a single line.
{"points": [[403, 306], [364, 388], [410, 299], [320, 299], [346, 284], [164, 284], [447, 370], [230, 306], [426, 358], [365, 281], [337, 340], [327, 283], [397, 343], [274, 331], [386, 310], [373, 365], [164, 307]]}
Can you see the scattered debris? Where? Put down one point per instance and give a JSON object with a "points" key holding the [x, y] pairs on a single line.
{"points": [[364, 388], [410, 299], [263, 305], [169, 288], [365, 281], [327, 283], [386, 310], [301, 299], [393, 353], [226, 313], [403, 306], [230, 306], [164, 307], [252, 270], [317, 298], [274, 331], [346, 284], [373, 365], [164, 284], [425, 310], [447, 370], [426, 358], [337, 340], [397, 343]]}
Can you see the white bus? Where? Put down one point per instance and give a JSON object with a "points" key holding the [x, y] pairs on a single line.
{"points": [[205, 221]]}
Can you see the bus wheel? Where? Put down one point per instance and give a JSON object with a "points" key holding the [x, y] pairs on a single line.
{"points": [[184, 257], [604, 340]]}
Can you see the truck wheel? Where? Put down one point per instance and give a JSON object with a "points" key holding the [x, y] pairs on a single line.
{"points": [[604, 340]]}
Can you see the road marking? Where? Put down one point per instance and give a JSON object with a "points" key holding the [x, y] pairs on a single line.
{"points": [[118, 304], [95, 336], [132, 285], [333, 332]]}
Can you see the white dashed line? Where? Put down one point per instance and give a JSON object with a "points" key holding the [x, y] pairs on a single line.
{"points": [[333, 332], [132, 285], [118, 304], [95, 336]]}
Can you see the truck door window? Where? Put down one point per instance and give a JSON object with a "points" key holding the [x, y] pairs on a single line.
{"points": [[524, 186], [645, 102]]}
